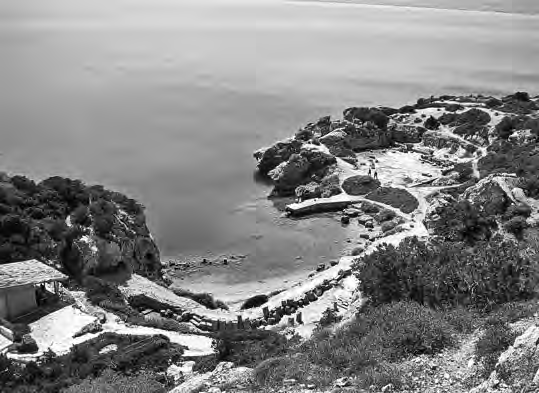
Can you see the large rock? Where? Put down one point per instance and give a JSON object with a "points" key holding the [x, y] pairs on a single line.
{"points": [[360, 185], [269, 158], [290, 174], [517, 367], [404, 133], [491, 195], [309, 164], [356, 138], [128, 245]]}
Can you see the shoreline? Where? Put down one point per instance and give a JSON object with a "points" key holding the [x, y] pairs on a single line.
{"points": [[414, 7]]}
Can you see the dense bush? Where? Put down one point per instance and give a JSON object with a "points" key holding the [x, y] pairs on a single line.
{"points": [[496, 338], [516, 226], [255, 301], [32, 215], [441, 274], [113, 382], [507, 157], [462, 221], [98, 290], [203, 298], [530, 183], [518, 210]]}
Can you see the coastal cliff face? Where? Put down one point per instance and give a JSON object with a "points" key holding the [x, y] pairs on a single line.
{"points": [[81, 229]]}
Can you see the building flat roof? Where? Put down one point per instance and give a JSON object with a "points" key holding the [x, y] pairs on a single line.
{"points": [[17, 274]]}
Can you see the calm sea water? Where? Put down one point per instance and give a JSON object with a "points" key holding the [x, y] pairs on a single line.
{"points": [[166, 100]]}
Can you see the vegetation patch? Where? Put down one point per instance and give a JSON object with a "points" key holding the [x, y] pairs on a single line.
{"points": [[360, 185], [87, 360], [203, 298], [395, 197], [496, 338], [368, 348], [444, 274], [246, 348], [462, 221]]}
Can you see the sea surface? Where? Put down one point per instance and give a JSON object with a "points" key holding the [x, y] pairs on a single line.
{"points": [[166, 100]]}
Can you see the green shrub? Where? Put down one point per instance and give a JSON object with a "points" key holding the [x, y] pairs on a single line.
{"points": [[515, 311], [518, 210], [463, 222], [329, 317], [442, 274], [203, 298], [496, 339], [98, 290], [516, 226], [114, 382], [395, 197], [250, 347]]}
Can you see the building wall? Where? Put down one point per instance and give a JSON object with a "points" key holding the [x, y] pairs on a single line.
{"points": [[4, 311], [17, 301]]}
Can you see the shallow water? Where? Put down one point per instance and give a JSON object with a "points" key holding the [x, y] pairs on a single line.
{"points": [[166, 100]]}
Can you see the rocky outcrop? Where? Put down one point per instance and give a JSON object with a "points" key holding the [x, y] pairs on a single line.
{"points": [[491, 195], [404, 133], [269, 158], [289, 174], [440, 140], [328, 187], [128, 245], [360, 185], [517, 367], [309, 165], [436, 204], [344, 141]]}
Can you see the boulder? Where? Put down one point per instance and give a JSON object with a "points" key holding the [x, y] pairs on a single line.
{"points": [[289, 174], [360, 185], [489, 196], [308, 191], [270, 157], [352, 212], [388, 225], [364, 219]]}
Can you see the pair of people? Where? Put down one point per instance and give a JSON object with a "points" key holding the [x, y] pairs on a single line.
{"points": [[375, 172]]}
